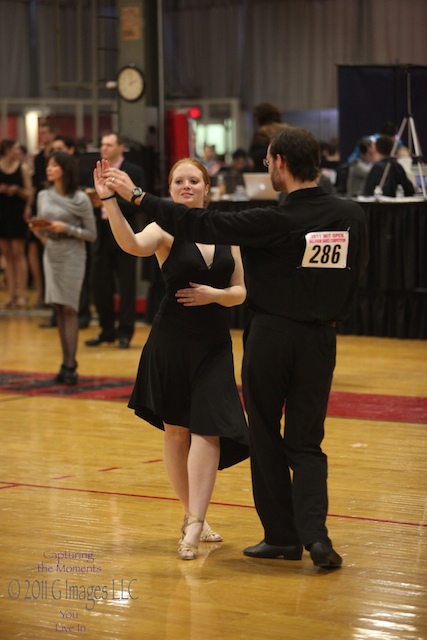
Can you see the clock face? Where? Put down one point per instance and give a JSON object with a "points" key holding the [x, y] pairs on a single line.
{"points": [[130, 83]]}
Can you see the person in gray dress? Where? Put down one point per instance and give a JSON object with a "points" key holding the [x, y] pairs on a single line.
{"points": [[65, 221]]}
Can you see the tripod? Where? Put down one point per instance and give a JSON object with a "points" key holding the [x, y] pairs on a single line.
{"points": [[413, 141]]}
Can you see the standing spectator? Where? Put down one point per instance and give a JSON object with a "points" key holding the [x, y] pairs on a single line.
{"points": [[47, 134], [33, 258], [268, 122], [210, 159], [67, 144], [109, 260], [15, 211], [68, 221]]}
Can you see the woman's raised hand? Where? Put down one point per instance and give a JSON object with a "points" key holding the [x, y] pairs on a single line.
{"points": [[118, 181], [99, 179], [108, 180]]}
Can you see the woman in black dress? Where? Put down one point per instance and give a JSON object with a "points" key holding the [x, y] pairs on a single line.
{"points": [[15, 211], [185, 382]]}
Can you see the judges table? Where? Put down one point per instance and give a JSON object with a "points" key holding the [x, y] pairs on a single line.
{"points": [[392, 297]]}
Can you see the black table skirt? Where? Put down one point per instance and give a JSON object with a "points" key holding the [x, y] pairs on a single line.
{"points": [[392, 298]]}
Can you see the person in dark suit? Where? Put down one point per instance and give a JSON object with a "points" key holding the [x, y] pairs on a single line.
{"points": [[109, 261]]}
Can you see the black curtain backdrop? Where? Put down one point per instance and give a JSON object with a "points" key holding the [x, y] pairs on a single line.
{"points": [[369, 96]]}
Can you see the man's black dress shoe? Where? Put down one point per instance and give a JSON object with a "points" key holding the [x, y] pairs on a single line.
{"points": [[264, 550], [324, 556], [95, 342], [124, 343]]}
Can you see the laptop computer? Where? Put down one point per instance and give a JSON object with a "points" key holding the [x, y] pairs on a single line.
{"points": [[258, 187]]}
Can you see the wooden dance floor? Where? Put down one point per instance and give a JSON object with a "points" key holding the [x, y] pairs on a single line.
{"points": [[89, 524]]}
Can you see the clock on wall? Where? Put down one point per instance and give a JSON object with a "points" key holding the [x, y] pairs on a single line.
{"points": [[130, 83]]}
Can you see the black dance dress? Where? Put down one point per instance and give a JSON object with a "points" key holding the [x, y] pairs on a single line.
{"points": [[12, 223], [186, 372]]}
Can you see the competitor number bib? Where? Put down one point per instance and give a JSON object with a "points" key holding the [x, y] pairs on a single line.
{"points": [[326, 250]]}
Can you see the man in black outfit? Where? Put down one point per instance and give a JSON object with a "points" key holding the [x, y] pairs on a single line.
{"points": [[109, 259], [303, 260], [396, 175]]}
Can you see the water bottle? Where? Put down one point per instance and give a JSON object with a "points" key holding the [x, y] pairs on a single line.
{"points": [[221, 185], [400, 192]]}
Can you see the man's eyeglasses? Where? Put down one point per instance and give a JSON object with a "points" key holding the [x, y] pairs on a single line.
{"points": [[266, 163]]}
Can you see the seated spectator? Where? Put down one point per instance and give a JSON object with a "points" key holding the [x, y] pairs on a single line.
{"points": [[395, 176], [387, 129], [403, 156], [210, 159], [329, 154], [329, 159], [239, 162], [322, 180], [233, 173], [359, 169], [325, 182]]}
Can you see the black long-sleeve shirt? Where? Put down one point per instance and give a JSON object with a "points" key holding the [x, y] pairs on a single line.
{"points": [[289, 271], [396, 176]]}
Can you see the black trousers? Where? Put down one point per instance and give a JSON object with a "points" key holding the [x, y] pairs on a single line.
{"points": [[288, 364], [111, 265]]}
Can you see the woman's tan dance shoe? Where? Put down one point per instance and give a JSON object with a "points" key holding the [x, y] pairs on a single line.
{"points": [[209, 535], [188, 551]]}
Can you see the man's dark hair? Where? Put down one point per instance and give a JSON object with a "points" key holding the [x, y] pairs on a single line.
{"points": [[50, 125], [267, 112], [300, 149], [69, 142], [239, 153], [388, 129], [384, 145], [121, 139]]}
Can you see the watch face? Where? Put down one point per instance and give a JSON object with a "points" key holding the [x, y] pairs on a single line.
{"points": [[130, 83], [135, 194]]}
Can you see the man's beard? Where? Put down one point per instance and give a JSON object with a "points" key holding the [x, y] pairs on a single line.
{"points": [[275, 181]]}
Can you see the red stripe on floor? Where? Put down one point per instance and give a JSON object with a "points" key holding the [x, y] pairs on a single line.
{"points": [[343, 404], [17, 485]]}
